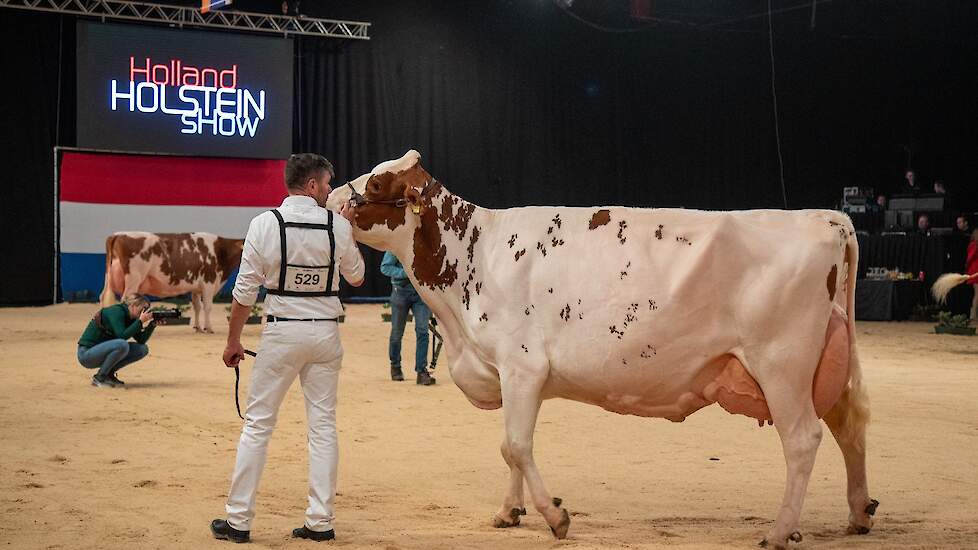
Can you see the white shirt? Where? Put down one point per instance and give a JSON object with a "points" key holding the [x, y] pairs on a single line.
{"points": [[262, 256]]}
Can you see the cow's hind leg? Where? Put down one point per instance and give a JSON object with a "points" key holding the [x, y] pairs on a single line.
{"points": [[521, 404], [208, 302], [195, 301], [512, 509], [847, 420], [801, 432]]}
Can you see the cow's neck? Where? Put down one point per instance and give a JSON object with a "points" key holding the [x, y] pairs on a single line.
{"points": [[443, 252]]}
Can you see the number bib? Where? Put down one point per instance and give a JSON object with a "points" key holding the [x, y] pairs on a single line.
{"points": [[306, 279]]}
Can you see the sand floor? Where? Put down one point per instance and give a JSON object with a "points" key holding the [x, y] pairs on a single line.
{"points": [[148, 466]]}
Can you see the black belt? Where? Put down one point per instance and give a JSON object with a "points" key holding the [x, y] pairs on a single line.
{"points": [[272, 319]]}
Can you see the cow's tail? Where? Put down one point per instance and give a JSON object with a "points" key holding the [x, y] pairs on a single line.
{"points": [[852, 408], [945, 283], [107, 298]]}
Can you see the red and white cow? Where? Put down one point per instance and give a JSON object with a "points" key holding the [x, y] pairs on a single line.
{"points": [[170, 264], [649, 312]]}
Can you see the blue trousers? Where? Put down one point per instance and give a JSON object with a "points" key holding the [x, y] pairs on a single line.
{"points": [[404, 299], [111, 355]]}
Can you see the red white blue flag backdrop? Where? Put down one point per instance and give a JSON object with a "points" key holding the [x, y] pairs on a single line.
{"points": [[104, 193]]}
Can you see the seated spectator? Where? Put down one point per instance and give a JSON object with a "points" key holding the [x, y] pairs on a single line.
{"points": [[939, 187], [910, 183], [963, 226], [923, 225]]}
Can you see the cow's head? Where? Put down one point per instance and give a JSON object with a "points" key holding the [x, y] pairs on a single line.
{"points": [[388, 200]]}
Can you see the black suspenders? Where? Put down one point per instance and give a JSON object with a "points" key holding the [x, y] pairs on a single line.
{"points": [[282, 283]]}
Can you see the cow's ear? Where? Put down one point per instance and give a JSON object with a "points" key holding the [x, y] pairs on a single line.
{"points": [[413, 197]]}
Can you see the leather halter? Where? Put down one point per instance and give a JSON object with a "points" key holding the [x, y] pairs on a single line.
{"points": [[359, 199]]}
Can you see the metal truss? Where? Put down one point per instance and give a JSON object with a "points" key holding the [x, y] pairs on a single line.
{"points": [[192, 17]]}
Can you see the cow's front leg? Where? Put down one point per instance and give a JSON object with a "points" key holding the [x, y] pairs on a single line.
{"points": [[521, 403], [195, 301], [512, 509]]}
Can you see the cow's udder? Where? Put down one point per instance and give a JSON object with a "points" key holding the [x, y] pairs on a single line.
{"points": [[738, 393]]}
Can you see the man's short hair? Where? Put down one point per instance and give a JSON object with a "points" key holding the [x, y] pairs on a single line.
{"points": [[302, 166]]}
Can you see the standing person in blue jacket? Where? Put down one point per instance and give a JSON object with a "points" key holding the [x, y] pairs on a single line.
{"points": [[404, 298]]}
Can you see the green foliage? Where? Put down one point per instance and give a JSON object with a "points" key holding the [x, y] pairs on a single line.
{"points": [[948, 319]]}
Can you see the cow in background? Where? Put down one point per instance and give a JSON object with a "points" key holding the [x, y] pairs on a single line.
{"points": [[648, 312], [170, 264]]}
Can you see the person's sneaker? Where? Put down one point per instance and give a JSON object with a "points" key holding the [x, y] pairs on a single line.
{"points": [[222, 530], [425, 379], [318, 536], [396, 374], [115, 380], [100, 382]]}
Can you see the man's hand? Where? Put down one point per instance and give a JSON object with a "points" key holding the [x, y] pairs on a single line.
{"points": [[347, 211], [233, 354]]}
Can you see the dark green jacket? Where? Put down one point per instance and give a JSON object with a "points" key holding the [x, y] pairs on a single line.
{"points": [[117, 324]]}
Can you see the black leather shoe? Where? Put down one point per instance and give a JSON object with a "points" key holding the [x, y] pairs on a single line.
{"points": [[115, 380], [318, 536], [100, 382], [222, 530], [425, 379], [396, 374]]}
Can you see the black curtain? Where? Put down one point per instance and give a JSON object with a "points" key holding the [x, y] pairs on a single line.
{"points": [[32, 50], [513, 102]]}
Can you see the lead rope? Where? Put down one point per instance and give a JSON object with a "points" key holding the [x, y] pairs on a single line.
{"points": [[237, 380]]}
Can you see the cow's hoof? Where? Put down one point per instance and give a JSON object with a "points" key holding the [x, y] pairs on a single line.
{"points": [[512, 521], [872, 506], [560, 531], [558, 501], [208, 331], [795, 537], [766, 544], [857, 530]]}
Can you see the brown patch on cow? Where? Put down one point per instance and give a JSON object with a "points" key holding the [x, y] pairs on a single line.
{"points": [[658, 232], [565, 313], [472, 241], [184, 258], [622, 225], [123, 248], [519, 255], [831, 281], [430, 264], [382, 187], [458, 222], [601, 217], [465, 294], [228, 252]]}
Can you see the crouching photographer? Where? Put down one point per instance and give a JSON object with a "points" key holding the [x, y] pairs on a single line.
{"points": [[105, 343]]}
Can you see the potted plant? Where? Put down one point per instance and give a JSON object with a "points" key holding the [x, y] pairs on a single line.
{"points": [[254, 318], [175, 320], [386, 316], [947, 323]]}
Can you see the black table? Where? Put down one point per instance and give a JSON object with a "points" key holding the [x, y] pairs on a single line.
{"points": [[887, 300]]}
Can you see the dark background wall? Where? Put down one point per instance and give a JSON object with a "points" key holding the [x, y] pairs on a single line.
{"points": [[516, 102]]}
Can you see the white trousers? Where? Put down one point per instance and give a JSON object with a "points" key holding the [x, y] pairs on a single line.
{"points": [[311, 350]]}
